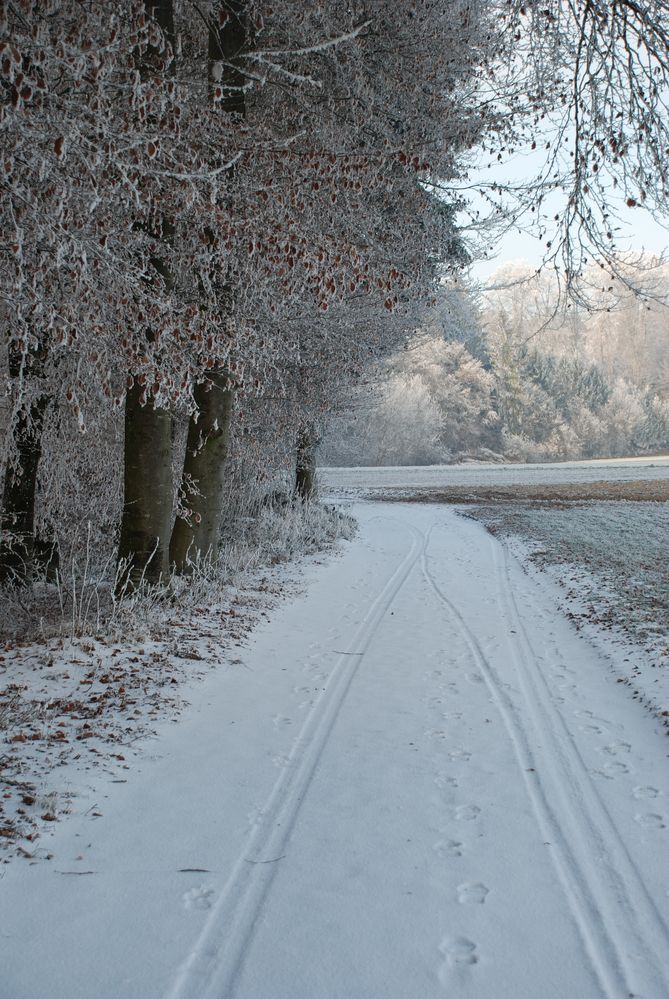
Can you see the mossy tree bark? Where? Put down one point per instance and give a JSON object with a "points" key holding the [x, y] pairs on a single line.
{"points": [[204, 465]]}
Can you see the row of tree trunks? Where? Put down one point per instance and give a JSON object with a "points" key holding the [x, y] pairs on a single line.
{"points": [[149, 547]]}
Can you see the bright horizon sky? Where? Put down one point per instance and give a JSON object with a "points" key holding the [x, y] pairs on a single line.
{"points": [[643, 234], [635, 228]]}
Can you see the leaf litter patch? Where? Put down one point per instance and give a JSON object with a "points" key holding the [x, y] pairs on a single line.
{"points": [[74, 712]]}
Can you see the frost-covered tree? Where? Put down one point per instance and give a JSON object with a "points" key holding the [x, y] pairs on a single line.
{"points": [[333, 211], [523, 377], [585, 89], [571, 381], [171, 236], [218, 199]]}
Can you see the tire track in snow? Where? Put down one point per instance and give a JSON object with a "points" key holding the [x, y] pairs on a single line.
{"points": [[582, 836], [211, 970], [618, 890]]}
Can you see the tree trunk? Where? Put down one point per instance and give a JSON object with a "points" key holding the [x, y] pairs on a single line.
{"points": [[17, 520], [147, 497], [147, 481], [305, 468], [209, 427], [204, 465]]}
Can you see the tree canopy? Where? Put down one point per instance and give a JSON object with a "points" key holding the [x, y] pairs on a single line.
{"points": [[248, 202]]}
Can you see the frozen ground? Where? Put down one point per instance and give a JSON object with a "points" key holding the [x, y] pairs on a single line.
{"points": [[599, 529], [371, 480], [609, 561], [416, 779]]}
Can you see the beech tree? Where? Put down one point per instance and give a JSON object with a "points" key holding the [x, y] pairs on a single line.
{"points": [[196, 528], [65, 275], [330, 209], [147, 474], [236, 200], [104, 149]]}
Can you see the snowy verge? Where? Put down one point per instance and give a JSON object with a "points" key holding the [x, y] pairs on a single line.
{"points": [[78, 708], [607, 564]]}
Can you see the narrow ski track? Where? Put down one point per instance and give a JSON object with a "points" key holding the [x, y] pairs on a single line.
{"points": [[621, 931], [212, 968]]}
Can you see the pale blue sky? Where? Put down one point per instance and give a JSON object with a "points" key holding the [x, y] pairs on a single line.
{"points": [[636, 229], [641, 233]]}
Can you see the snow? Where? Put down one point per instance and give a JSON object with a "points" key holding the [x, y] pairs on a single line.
{"points": [[610, 562], [414, 779], [350, 480]]}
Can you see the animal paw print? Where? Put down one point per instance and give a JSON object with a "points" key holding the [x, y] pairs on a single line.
{"points": [[445, 780], [466, 813], [616, 748], [612, 770], [645, 791], [472, 893], [436, 733], [650, 820], [199, 898], [458, 952], [448, 848]]}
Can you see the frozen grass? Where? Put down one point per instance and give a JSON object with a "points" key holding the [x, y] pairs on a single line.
{"points": [[387, 483], [610, 562], [623, 547], [640, 490], [82, 602], [298, 528], [86, 676]]}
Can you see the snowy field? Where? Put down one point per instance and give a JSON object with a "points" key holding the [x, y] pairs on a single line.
{"points": [[599, 530], [349, 480], [415, 778]]}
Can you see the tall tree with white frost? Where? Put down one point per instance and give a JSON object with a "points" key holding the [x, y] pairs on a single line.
{"points": [[160, 248], [196, 528], [316, 206], [147, 480]]}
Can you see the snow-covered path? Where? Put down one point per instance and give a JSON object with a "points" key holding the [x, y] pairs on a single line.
{"points": [[423, 784]]}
